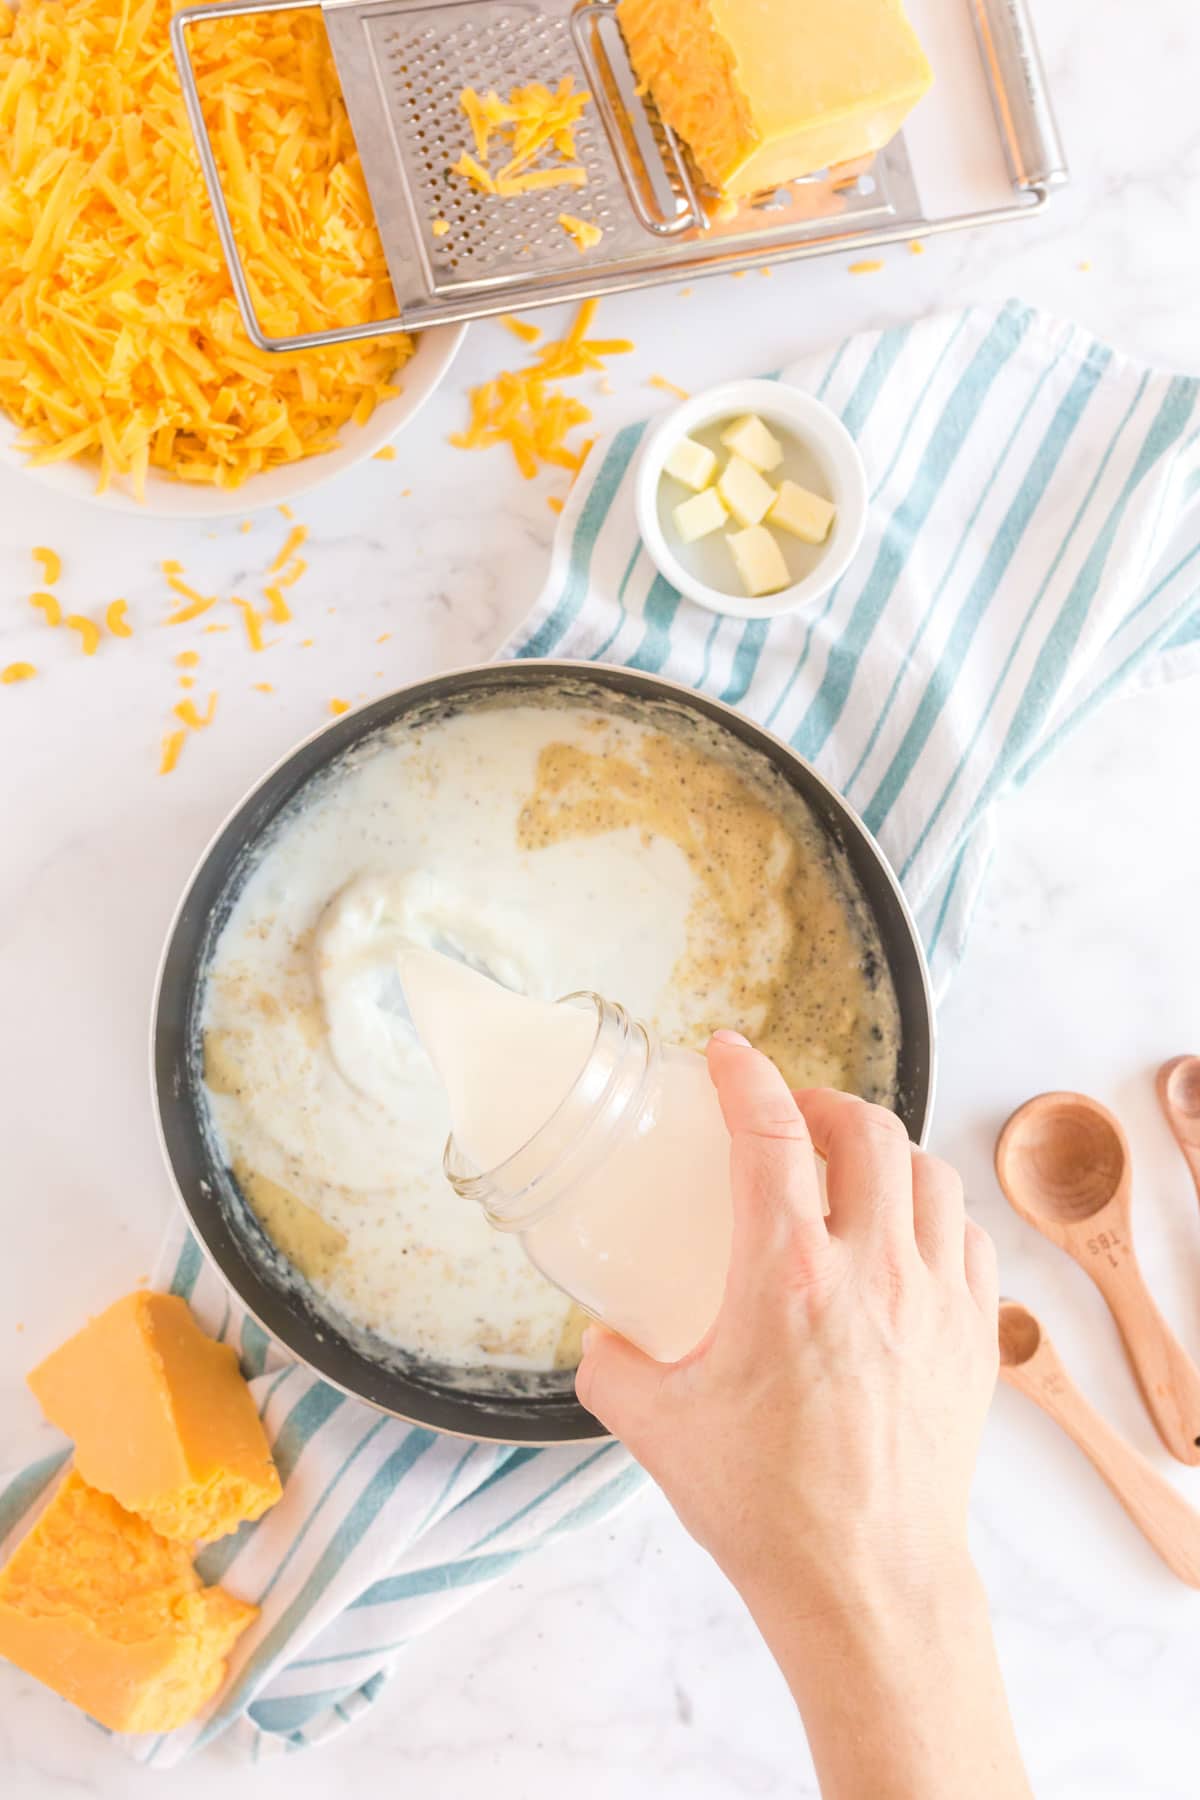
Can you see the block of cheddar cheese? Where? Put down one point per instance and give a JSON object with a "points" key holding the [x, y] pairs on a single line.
{"points": [[161, 1418], [113, 1617], [764, 91]]}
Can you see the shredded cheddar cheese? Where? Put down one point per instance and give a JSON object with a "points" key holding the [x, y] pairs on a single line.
{"points": [[89, 632], [521, 328], [194, 610], [295, 538], [667, 387], [440, 227], [533, 122], [47, 604], [870, 266], [526, 410], [339, 706], [17, 671], [172, 744], [186, 712], [49, 559], [253, 623], [120, 340], [387, 454], [582, 234], [187, 659], [116, 621], [263, 687], [291, 576], [281, 612]]}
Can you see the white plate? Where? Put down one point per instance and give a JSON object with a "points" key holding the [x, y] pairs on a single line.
{"points": [[434, 350], [793, 412]]}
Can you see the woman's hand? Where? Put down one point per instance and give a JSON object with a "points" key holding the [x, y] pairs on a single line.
{"points": [[820, 1441]]}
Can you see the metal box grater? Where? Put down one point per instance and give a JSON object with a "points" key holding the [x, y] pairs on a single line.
{"points": [[402, 65]]}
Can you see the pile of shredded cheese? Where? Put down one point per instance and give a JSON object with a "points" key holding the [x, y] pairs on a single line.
{"points": [[119, 335], [527, 410]]}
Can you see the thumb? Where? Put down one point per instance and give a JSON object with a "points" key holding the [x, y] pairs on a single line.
{"points": [[618, 1384]]}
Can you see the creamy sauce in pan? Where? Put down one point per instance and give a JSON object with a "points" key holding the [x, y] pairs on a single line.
{"points": [[554, 847]]}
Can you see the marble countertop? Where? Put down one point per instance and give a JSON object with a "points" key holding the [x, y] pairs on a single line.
{"points": [[623, 1663]]}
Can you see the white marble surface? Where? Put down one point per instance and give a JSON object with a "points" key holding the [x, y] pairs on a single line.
{"points": [[623, 1664]]}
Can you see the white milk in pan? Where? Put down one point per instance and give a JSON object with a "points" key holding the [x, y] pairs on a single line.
{"points": [[557, 848]]}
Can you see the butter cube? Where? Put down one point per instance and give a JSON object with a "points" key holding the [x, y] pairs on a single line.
{"points": [[759, 561], [744, 491], [161, 1418], [749, 438], [113, 1617], [696, 517], [805, 514], [692, 463]]}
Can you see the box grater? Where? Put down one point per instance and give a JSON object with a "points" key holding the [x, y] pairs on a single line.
{"points": [[402, 65]]}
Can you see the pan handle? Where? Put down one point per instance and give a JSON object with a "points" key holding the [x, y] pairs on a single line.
{"points": [[308, 340], [1020, 98]]}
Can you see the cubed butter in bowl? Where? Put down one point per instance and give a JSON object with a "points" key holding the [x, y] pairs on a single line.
{"points": [[751, 498]]}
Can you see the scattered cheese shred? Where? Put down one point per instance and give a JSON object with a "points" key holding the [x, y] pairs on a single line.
{"points": [[246, 525], [668, 387], [339, 706], [253, 622], [171, 567], [281, 612], [383, 637], [172, 744], [49, 559], [582, 234], [187, 659], [89, 632], [196, 721], [209, 628], [194, 611], [47, 604], [916, 247], [116, 621], [871, 266], [387, 454], [263, 687], [285, 510], [17, 671], [182, 589], [440, 227], [528, 412], [554, 503], [521, 328], [120, 339], [291, 576], [295, 538], [187, 683]]}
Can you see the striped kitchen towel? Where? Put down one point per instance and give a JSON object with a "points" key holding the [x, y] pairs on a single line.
{"points": [[1033, 545]]}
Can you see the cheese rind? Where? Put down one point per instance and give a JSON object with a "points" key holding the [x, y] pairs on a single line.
{"points": [[161, 1418], [750, 439], [748, 497], [696, 517], [759, 560], [806, 515], [764, 91], [99, 1607], [692, 463]]}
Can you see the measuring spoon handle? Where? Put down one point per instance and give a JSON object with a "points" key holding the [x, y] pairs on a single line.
{"points": [[1166, 1374], [1160, 1513]]}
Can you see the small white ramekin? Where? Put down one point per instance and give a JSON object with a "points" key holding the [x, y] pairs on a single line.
{"points": [[793, 412]]}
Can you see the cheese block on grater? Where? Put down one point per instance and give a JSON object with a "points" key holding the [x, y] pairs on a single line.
{"points": [[764, 91]]}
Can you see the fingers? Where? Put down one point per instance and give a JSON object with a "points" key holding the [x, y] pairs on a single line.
{"points": [[777, 1210], [618, 1384], [979, 1261], [869, 1176], [939, 1213]]}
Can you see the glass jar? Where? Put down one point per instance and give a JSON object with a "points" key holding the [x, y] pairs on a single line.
{"points": [[622, 1197]]}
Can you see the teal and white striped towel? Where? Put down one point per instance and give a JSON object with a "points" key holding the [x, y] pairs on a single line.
{"points": [[1034, 544]]}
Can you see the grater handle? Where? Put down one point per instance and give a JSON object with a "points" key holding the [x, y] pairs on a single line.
{"points": [[643, 166], [1020, 98], [306, 340]]}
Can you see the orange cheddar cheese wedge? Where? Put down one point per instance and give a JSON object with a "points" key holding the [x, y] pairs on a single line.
{"points": [[99, 1607], [161, 1418]]}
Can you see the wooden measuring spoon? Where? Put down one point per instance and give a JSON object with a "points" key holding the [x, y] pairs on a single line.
{"points": [[1063, 1162], [1178, 1084], [1029, 1362]]}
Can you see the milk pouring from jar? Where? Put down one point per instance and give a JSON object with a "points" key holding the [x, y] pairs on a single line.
{"points": [[603, 1149]]}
